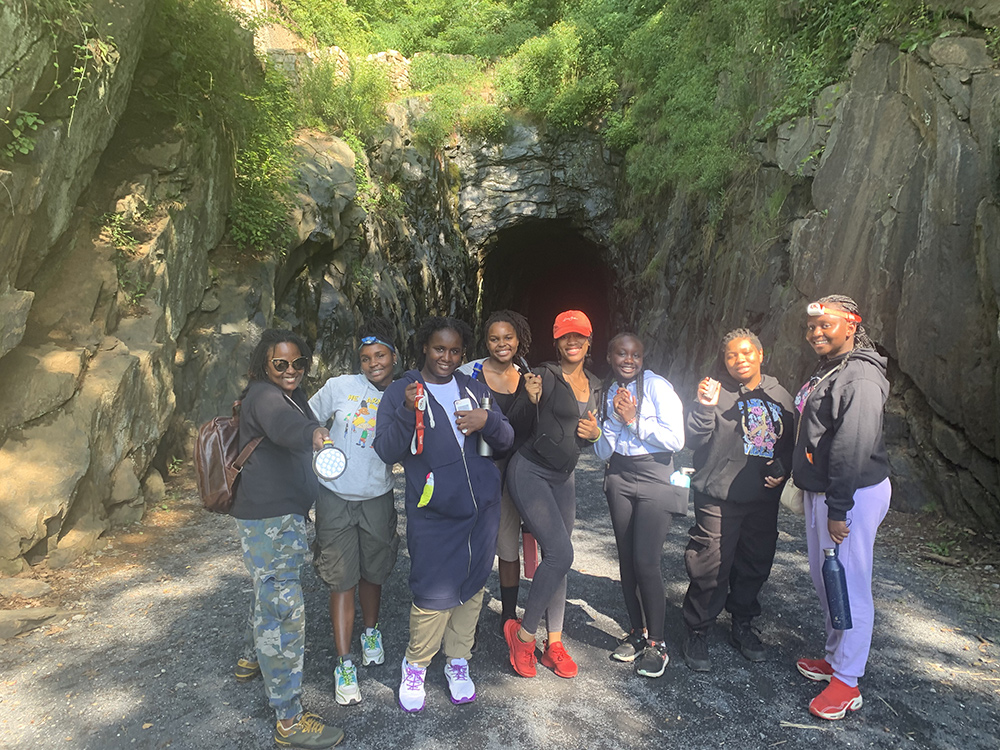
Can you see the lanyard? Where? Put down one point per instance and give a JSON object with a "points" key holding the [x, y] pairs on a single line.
{"points": [[421, 405]]}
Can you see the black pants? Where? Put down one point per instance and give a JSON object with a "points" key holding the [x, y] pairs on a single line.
{"points": [[728, 558], [641, 501]]}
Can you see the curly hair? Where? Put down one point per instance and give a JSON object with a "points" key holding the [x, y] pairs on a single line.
{"points": [[842, 302], [737, 334], [262, 352], [380, 328], [516, 321], [610, 379], [434, 324]]}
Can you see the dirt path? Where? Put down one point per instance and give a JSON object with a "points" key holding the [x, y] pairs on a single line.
{"points": [[146, 660]]}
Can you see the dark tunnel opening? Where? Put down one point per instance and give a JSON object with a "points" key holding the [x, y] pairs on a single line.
{"points": [[541, 268]]}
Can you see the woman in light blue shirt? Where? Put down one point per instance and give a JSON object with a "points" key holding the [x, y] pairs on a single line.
{"points": [[642, 426]]}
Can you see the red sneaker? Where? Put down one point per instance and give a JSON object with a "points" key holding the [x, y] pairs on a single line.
{"points": [[818, 670], [836, 700], [555, 658], [522, 655]]}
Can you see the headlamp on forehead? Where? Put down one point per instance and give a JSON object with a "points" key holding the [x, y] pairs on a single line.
{"points": [[815, 309]]}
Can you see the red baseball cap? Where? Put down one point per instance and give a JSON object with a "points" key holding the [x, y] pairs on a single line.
{"points": [[571, 321]]}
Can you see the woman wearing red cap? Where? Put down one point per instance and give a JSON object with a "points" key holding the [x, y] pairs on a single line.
{"points": [[541, 482]]}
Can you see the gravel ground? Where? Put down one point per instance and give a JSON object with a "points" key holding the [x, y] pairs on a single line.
{"points": [[146, 660]]}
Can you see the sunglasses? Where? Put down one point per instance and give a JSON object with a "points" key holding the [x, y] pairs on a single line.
{"points": [[299, 364], [815, 309]]}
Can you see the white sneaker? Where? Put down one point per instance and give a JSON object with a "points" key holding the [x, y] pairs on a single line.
{"points": [[463, 690], [411, 687], [345, 681], [371, 647]]}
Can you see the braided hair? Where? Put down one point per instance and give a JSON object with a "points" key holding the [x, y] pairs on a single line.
{"points": [[434, 324], [610, 378], [842, 302], [516, 321]]}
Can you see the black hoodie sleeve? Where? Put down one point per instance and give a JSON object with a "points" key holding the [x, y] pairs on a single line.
{"points": [[272, 415], [858, 406], [700, 425]]}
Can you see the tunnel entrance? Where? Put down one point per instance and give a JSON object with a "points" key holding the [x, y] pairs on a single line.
{"points": [[541, 268]]}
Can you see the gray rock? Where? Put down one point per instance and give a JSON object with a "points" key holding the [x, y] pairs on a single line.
{"points": [[14, 622], [24, 588], [14, 308]]}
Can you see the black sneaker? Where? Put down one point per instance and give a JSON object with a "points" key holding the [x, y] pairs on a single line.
{"points": [[629, 647], [653, 660], [696, 651], [746, 640]]}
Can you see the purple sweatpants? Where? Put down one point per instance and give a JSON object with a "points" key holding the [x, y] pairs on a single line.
{"points": [[847, 650]]}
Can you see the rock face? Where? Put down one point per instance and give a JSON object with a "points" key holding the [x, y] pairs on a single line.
{"points": [[112, 354], [88, 327], [900, 213]]}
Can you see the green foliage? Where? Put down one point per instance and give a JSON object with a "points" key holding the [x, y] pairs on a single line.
{"points": [[22, 129], [329, 23], [459, 96], [199, 59], [355, 102]]}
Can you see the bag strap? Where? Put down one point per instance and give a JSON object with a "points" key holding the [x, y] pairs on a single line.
{"points": [[249, 448]]}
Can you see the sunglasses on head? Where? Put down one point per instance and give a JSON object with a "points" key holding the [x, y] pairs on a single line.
{"points": [[281, 365], [815, 309]]}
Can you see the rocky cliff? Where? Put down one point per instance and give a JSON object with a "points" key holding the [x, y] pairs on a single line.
{"points": [[120, 335]]}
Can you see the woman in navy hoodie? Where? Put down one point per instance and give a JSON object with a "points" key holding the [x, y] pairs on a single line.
{"points": [[841, 464], [427, 421]]}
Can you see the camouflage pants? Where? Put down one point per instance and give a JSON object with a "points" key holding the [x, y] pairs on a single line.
{"points": [[274, 551]]}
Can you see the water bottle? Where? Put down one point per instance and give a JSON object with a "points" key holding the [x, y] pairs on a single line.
{"points": [[484, 448], [835, 582], [477, 374]]}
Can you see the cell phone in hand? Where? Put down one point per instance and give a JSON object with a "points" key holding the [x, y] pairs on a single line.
{"points": [[776, 469], [464, 404]]}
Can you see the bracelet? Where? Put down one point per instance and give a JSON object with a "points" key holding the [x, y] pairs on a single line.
{"points": [[633, 422], [594, 440]]}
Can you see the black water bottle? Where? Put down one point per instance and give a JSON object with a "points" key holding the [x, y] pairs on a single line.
{"points": [[835, 581]]}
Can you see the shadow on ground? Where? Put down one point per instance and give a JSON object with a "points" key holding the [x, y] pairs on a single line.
{"points": [[149, 663]]}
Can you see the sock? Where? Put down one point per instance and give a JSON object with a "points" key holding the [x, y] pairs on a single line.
{"points": [[508, 601]]}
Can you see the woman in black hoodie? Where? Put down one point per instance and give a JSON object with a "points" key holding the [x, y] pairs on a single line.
{"points": [[841, 464], [742, 430]]}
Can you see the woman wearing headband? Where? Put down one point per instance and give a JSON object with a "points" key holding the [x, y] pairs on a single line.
{"points": [[508, 337], [430, 422], [642, 426], [277, 488], [356, 540], [541, 482], [840, 462]]}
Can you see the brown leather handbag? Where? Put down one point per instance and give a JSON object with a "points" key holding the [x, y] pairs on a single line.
{"points": [[218, 460]]}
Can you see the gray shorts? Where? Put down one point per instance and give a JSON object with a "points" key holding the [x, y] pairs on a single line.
{"points": [[354, 539]]}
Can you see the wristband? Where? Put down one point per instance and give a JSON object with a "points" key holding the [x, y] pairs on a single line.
{"points": [[594, 440]]}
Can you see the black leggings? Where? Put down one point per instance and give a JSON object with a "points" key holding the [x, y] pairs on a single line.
{"points": [[637, 489]]}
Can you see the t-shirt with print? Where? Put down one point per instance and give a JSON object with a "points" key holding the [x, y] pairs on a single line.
{"points": [[351, 402]]}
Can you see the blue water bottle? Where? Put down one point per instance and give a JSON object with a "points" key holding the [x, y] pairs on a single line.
{"points": [[835, 582], [477, 372]]}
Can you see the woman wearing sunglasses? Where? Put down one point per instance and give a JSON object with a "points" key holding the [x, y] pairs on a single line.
{"points": [[276, 490], [356, 540], [430, 422], [840, 462], [508, 337]]}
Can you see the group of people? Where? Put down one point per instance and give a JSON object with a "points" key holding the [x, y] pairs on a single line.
{"points": [[489, 450]]}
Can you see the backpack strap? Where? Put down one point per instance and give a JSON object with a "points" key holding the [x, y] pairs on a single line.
{"points": [[249, 448]]}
